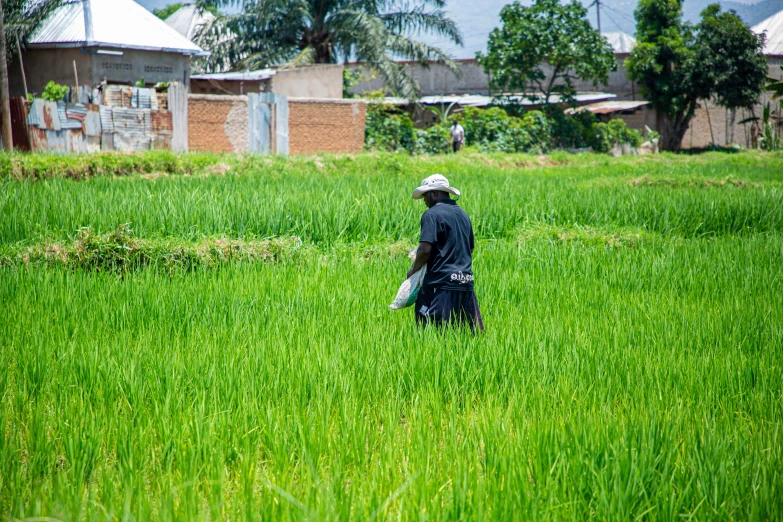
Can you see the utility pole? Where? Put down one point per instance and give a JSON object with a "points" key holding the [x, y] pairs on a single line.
{"points": [[598, 14], [5, 98]]}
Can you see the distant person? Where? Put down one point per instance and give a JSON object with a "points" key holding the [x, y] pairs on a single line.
{"points": [[457, 136], [446, 248]]}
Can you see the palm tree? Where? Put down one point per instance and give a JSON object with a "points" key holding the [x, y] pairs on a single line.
{"points": [[18, 20], [271, 32]]}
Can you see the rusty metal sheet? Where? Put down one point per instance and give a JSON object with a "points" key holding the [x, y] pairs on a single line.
{"points": [[77, 111], [162, 122], [107, 141], [93, 143], [76, 141], [38, 141], [107, 119], [131, 142], [19, 124], [117, 96], [92, 121], [131, 120], [65, 121], [57, 141], [35, 114], [49, 118]]}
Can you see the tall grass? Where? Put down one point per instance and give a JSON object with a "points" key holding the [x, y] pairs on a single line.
{"points": [[631, 366]]}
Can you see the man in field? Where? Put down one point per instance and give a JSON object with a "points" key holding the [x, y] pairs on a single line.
{"points": [[446, 248], [457, 136]]}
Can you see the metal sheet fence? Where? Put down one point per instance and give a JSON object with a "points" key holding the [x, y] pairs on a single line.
{"points": [[128, 121]]}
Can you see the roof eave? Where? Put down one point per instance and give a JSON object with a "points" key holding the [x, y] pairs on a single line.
{"points": [[71, 45]]}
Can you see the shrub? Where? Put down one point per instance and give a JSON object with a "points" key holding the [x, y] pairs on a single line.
{"points": [[387, 130], [607, 135], [54, 92], [571, 130], [435, 140], [493, 130]]}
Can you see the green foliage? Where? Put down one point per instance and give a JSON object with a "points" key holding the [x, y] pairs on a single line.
{"points": [[493, 130], [630, 369], [731, 59], [547, 32], [272, 32], [388, 130], [571, 131], [165, 12], [615, 132], [775, 86], [55, 92], [676, 64], [351, 77], [435, 140]]}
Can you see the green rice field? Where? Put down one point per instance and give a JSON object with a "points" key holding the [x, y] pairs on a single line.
{"points": [[208, 338]]}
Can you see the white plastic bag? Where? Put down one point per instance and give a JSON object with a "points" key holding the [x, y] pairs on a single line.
{"points": [[409, 289]]}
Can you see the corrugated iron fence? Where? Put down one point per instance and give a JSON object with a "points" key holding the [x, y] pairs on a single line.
{"points": [[111, 118]]}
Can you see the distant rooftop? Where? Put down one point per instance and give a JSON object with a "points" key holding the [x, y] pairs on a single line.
{"points": [[621, 42], [120, 24], [187, 20], [477, 100], [773, 26], [244, 76]]}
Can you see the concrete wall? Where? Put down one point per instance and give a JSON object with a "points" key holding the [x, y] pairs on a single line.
{"points": [[310, 81], [434, 80], [43, 65], [217, 123], [233, 87], [437, 79], [319, 125]]}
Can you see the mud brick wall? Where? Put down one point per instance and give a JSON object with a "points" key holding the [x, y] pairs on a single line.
{"points": [[322, 125], [217, 123]]}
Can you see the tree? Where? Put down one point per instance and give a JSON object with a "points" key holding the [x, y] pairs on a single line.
{"points": [[544, 48], [732, 60], [18, 20], [269, 32], [165, 12], [676, 64]]}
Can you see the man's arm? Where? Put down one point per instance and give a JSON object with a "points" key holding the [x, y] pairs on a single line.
{"points": [[422, 256]]}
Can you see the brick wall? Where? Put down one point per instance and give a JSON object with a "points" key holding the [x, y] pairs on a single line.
{"points": [[217, 123], [316, 125]]}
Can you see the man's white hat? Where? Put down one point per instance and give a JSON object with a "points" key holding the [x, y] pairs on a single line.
{"points": [[434, 182]]}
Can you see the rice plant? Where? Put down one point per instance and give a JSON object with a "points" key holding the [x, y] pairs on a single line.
{"points": [[631, 366]]}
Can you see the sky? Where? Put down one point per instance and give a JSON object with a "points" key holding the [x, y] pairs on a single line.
{"points": [[476, 18]]}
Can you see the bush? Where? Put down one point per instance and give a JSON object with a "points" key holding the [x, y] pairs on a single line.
{"points": [[493, 130], [607, 135], [571, 131], [387, 130], [435, 140], [54, 92]]}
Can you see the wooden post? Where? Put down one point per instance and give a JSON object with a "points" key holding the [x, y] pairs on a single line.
{"points": [[5, 96], [21, 66], [76, 77]]}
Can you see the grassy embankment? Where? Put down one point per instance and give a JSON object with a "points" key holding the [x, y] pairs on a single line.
{"points": [[228, 354]]}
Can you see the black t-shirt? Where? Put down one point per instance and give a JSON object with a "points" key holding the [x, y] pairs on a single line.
{"points": [[448, 229]]}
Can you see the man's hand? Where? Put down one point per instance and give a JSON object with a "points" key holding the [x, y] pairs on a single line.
{"points": [[422, 256]]}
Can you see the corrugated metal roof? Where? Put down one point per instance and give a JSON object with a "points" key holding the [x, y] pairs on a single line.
{"points": [[773, 26], [120, 24], [187, 20], [608, 107], [476, 100], [245, 76], [621, 42]]}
